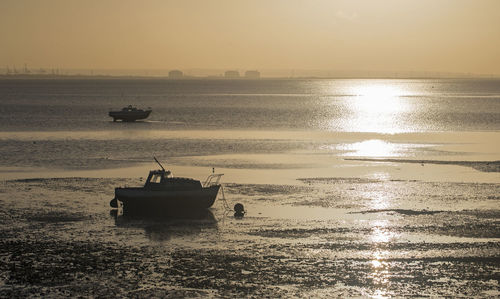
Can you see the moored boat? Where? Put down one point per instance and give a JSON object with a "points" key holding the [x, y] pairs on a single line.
{"points": [[163, 192], [129, 114]]}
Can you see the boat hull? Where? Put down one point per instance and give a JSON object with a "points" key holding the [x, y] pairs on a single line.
{"points": [[129, 116], [140, 199]]}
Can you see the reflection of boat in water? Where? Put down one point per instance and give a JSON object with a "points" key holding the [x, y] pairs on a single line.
{"points": [[164, 194], [164, 227], [130, 114]]}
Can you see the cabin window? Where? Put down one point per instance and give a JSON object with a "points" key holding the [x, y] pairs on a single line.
{"points": [[156, 178]]}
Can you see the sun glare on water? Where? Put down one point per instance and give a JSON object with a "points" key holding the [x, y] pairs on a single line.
{"points": [[377, 98], [377, 107], [371, 148]]}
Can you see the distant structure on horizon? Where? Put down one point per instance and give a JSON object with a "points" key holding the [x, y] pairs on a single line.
{"points": [[252, 74], [231, 74], [175, 74]]}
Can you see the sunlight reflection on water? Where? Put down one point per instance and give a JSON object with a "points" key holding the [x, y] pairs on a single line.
{"points": [[379, 98], [380, 268], [377, 107], [378, 148], [372, 148], [380, 200], [381, 234]]}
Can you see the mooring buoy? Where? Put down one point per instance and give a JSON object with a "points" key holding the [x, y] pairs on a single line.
{"points": [[239, 210]]}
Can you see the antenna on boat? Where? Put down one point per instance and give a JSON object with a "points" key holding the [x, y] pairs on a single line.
{"points": [[159, 163]]}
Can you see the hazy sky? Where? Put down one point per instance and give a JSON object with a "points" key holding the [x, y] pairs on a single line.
{"points": [[390, 35]]}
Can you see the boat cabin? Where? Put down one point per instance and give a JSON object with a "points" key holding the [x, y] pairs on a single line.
{"points": [[162, 180], [129, 108]]}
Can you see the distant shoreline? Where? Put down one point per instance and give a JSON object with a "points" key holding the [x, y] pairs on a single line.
{"points": [[136, 77]]}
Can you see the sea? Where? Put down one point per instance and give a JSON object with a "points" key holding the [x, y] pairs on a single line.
{"points": [[370, 188]]}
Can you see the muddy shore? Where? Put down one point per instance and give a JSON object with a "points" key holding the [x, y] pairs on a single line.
{"points": [[58, 238]]}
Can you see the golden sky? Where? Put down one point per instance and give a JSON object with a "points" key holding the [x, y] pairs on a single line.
{"points": [[390, 35]]}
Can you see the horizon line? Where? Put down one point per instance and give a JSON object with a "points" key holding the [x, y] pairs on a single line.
{"points": [[214, 72], [242, 78]]}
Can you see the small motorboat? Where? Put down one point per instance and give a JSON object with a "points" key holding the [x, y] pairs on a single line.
{"points": [[129, 114], [163, 192]]}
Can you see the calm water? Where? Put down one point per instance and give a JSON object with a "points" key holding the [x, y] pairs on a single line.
{"points": [[386, 106], [318, 224], [78, 133]]}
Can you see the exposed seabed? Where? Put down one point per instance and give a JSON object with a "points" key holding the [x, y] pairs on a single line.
{"points": [[319, 237]]}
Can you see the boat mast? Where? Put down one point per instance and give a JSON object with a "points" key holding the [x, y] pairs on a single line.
{"points": [[159, 164]]}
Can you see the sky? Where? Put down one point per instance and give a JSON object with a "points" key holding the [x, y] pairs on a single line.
{"points": [[458, 36]]}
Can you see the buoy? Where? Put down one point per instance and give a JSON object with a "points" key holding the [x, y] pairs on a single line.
{"points": [[114, 203], [239, 210]]}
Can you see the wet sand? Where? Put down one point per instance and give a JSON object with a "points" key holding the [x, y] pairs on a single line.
{"points": [[320, 237]]}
